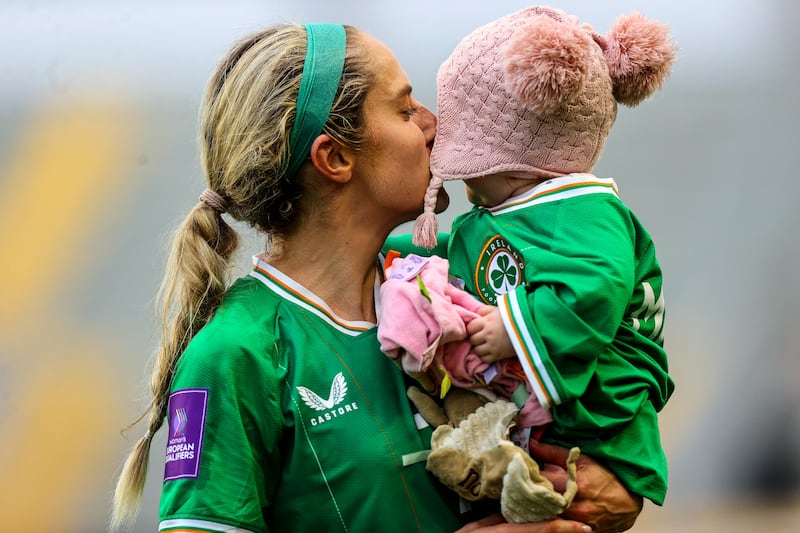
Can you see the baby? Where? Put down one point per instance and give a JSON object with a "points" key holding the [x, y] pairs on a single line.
{"points": [[568, 274]]}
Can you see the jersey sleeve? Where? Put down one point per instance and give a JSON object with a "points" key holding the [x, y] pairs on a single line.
{"points": [[402, 243], [633, 453], [235, 468], [574, 296]]}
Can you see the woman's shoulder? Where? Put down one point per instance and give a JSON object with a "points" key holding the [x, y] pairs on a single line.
{"points": [[248, 307], [241, 332]]}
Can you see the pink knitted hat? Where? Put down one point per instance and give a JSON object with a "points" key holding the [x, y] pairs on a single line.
{"points": [[534, 95]]}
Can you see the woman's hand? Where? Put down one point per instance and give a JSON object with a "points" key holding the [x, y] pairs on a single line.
{"points": [[496, 524], [601, 502]]}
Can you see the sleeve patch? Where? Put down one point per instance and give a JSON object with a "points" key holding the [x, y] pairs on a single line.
{"points": [[186, 414]]}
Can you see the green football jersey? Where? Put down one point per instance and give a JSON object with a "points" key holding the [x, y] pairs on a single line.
{"points": [[284, 417], [576, 279]]}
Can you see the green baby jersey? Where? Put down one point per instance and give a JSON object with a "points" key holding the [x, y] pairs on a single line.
{"points": [[284, 417], [576, 279]]}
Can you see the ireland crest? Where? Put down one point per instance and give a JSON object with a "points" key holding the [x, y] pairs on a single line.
{"points": [[499, 269]]}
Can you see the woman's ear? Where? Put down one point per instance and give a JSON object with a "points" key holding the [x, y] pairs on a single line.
{"points": [[331, 159]]}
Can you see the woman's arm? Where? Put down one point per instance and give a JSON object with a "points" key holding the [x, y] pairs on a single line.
{"points": [[402, 243]]}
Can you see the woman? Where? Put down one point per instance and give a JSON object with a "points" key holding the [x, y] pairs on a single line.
{"points": [[282, 412]]}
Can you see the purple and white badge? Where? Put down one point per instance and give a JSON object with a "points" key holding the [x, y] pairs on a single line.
{"points": [[409, 267], [187, 419]]}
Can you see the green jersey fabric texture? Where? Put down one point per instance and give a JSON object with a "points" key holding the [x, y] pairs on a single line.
{"points": [[284, 417], [576, 279]]}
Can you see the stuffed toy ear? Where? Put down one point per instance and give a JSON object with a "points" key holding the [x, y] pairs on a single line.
{"points": [[547, 62], [639, 53]]}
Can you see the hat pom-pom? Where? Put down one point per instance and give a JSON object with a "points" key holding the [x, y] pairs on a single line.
{"points": [[640, 54], [547, 62], [425, 229]]}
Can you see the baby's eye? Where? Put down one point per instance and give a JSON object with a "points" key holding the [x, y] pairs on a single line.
{"points": [[411, 111]]}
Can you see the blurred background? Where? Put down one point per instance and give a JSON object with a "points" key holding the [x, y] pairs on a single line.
{"points": [[98, 163]]}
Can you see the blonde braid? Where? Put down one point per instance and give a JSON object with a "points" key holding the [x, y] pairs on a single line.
{"points": [[193, 287]]}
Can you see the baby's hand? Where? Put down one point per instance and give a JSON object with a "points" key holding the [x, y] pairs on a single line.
{"points": [[488, 335]]}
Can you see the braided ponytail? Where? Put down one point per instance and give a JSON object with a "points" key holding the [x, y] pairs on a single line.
{"points": [[193, 287]]}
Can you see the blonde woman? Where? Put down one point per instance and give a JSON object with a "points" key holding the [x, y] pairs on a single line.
{"points": [[281, 412]]}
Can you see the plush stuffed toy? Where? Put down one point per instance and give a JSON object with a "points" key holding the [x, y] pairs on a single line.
{"points": [[473, 456], [477, 460], [423, 327]]}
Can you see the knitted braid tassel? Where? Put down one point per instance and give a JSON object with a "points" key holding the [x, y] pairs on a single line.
{"points": [[426, 226]]}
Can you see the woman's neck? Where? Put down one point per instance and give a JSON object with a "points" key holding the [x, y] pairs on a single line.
{"points": [[336, 265]]}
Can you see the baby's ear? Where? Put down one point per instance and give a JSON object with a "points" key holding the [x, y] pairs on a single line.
{"points": [[640, 54], [547, 63]]}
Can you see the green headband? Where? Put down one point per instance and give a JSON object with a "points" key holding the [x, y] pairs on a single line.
{"points": [[322, 71]]}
